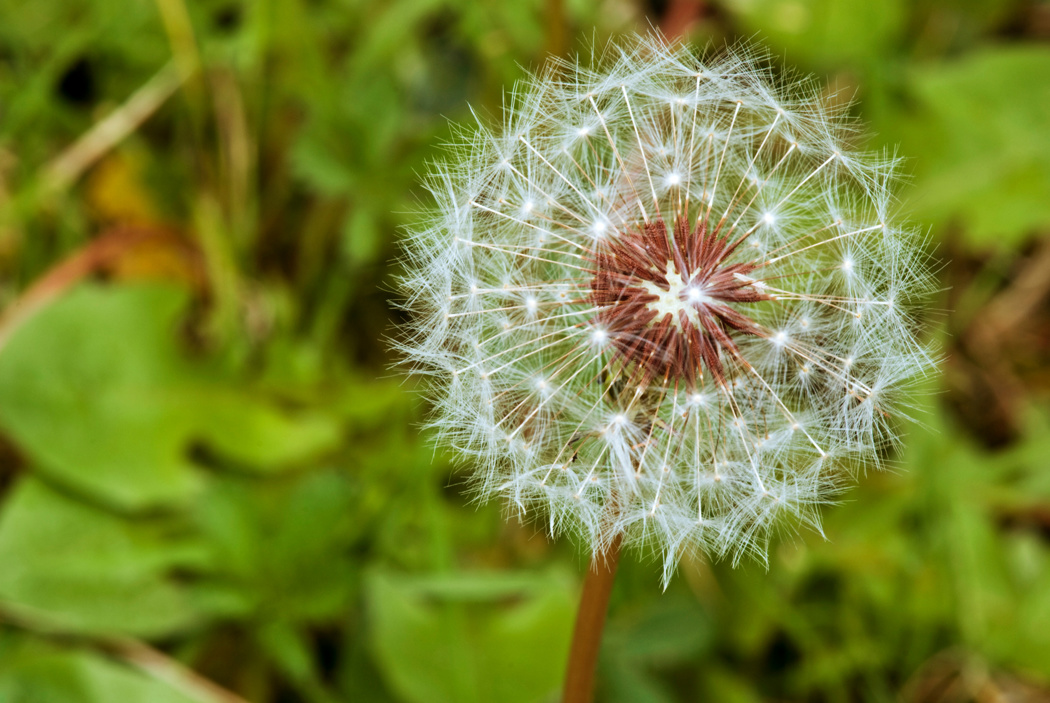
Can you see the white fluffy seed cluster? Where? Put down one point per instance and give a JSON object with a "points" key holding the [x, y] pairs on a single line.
{"points": [[530, 381]]}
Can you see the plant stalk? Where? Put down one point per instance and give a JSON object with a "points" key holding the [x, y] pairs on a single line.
{"points": [[590, 621]]}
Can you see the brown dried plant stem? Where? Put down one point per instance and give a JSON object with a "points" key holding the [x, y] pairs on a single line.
{"points": [[590, 621]]}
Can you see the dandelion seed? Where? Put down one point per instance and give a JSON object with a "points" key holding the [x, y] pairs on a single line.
{"points": [[690, 353]]}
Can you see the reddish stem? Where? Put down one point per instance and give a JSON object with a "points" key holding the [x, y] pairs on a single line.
{"points": [[590, 621]]}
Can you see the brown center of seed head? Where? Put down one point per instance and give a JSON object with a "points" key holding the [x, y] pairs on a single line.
{"points": [[665, 301]]}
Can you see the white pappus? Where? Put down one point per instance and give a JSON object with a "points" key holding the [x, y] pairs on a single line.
{"points": [[665, 301]]}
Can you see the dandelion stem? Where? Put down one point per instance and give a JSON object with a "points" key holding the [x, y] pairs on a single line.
{"points": [[590, 621]]}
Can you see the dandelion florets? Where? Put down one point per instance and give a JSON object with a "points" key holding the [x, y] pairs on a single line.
{"points": [[664, 302]]}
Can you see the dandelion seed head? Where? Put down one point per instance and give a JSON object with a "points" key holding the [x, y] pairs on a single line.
{"points": [[664, 302]]}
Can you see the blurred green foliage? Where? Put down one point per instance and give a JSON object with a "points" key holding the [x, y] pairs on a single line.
{"points": [[213, 487]]}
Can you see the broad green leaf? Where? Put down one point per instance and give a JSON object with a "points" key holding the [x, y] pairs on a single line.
{"points": [[463, 637], [255, 434], [629, 684], [822, 31], [995, 581], [80, 568], [976, 137], [86, 389], [670, 630], [278, 550], [648, 637], [32, 672], [95, 389]]}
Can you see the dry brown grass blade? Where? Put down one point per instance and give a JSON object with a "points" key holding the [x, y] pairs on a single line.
{"points": [[96, 256], [68, 166]]}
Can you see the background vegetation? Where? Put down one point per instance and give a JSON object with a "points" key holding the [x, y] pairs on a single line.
{"points": [[213, 488]]}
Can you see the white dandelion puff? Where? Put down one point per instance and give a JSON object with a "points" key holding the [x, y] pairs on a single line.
{"points": [[663, 303]]}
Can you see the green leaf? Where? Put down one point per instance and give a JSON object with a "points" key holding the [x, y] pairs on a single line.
{"points": [[323, 166], [719, 684], [279, 550], [996, 579], [823, 31], [629, 684], [79, 568], [85, 389], [361, 236], [464, 637], [667, 631], [976, 136], [256, 435], [32, 672], [95, 389]]}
